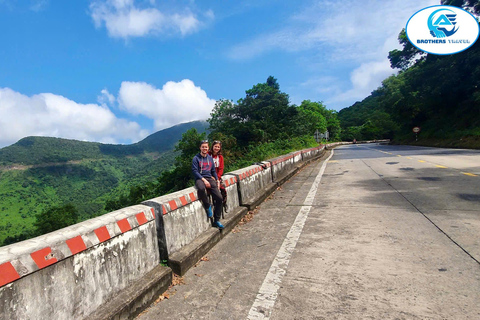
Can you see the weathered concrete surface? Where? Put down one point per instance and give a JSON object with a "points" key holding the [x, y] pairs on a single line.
{"points": [[366, 251], [73, 287], [66, 284], [185, 258], [132, 300], [254, 184]]}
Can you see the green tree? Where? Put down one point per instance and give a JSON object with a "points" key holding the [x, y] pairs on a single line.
{"points": [[263, 115], [55, 218], [310, 117], [405, 58]]}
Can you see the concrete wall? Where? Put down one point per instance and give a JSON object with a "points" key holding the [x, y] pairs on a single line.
{"points": [[182, 218], [284, 166], [69, 273], [254, 182], [308, 154], [81, 271]]}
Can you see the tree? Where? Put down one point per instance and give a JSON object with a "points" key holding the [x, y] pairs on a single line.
{"points": [[469, 5], [55, 218], [405, 58], [310, 118], [263, 115]]}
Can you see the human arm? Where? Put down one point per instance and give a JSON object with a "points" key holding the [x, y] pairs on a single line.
{"points": [[196, 169]]}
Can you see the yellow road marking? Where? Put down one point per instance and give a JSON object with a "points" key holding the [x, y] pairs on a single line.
{"points": [[469, 174], [421, 161], [332, 161], [409, 158], [398, 155], [441, 167]]}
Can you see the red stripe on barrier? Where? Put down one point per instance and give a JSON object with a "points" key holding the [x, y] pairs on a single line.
{"points": [[76, 245], [173, 205], [124, 225], [7, 273], [164, 210], [192, 196], [183, 200], [153, 212], [141, 218], [43, 257], [102, 234]]}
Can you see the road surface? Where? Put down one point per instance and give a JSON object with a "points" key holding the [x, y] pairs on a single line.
{"points": [[372, 232]]}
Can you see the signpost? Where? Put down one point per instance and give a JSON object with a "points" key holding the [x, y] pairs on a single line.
{"points": [[319, 136], [416, 130]]}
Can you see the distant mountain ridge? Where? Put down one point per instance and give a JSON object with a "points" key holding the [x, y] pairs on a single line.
{"points": [[37, 150], [37, 173]]}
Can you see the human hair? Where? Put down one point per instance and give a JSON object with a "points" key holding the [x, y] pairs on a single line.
{"points": [[202, 142]]}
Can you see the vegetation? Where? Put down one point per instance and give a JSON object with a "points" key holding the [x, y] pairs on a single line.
{"points": [[47, 183], [260, 126], [439, 94], [89, 175]]}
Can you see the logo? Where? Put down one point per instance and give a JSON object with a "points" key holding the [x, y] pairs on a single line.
{"points": [[442, 30], [442, 23]]}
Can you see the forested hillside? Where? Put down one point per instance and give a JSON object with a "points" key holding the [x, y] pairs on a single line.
{"points": [[50, 183], [40, 173], [439, 94], [262, 125]]}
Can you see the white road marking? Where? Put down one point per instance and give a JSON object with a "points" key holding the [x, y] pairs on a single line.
{"points": [[263, 305]]}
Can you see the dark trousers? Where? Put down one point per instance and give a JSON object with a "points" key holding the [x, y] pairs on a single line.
{"points": [[216, 195]]}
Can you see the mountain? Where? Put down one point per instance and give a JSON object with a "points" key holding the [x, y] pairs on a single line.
{"points": [[40, 172], [45, 150]]}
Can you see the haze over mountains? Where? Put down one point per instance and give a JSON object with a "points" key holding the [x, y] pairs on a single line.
{"points": [[41, 172]]}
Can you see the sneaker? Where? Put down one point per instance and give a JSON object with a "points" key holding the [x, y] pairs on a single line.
{"points": [[209, 212], [218, 225]]}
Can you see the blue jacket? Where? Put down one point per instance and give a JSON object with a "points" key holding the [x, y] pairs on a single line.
{"points": [[203, 167]]}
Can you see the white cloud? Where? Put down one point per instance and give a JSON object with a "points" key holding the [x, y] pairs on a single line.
{"points": [[353, 38], [106, 98], [47, 114], [175, 103], [346, 34], [38, 5], [364, 80], [125, 19]]}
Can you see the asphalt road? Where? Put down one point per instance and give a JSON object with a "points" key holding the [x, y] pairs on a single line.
{"points": [[375, 232]]}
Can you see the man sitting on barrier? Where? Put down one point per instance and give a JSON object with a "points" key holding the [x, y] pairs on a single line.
{"points": [[206, 177]]}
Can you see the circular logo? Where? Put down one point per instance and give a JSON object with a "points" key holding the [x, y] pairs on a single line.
{"points": [[416, 129], [442, 30]]}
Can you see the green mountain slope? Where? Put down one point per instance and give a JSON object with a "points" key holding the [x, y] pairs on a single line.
{"points": [[39, 172]]}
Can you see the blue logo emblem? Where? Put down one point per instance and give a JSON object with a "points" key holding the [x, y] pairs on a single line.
{"points": [[442, 23], [442, 30]]}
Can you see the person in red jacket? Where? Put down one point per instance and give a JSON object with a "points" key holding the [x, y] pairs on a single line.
{"points": [[216, 153]]}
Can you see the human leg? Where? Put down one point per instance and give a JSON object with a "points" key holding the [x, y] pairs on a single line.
{"points": [[202, 195], [217, 199]]}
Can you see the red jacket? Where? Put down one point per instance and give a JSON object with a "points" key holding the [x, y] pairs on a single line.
{"points": [[218, 160]]}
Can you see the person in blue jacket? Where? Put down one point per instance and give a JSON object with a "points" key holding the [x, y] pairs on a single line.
{"points": [[203, 170]]}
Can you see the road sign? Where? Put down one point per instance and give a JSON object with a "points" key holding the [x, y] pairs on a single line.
{"points": [[416, 129]]}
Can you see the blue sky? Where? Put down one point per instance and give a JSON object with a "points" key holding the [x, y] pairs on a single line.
{"points": [[115, 71]]}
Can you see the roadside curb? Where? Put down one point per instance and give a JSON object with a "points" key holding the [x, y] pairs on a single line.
{"points": [[131, 301], [182, 260]]}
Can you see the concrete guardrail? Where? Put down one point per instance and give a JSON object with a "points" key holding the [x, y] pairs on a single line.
{"points": [[113, 266]]}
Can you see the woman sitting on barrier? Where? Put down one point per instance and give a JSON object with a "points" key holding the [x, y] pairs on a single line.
{"points": [[216, 153], [206, 177]]}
